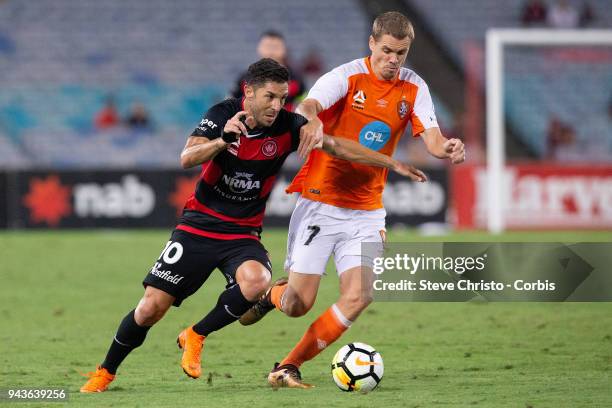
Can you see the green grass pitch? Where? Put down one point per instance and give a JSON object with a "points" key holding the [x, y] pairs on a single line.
{"points": [[64, 293]]}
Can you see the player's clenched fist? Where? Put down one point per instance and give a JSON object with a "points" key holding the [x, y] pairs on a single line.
{"points": [[455, 150], [237, 125]]}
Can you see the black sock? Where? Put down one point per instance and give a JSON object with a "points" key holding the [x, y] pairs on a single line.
{"points": [[230, 306], [129, 336]]}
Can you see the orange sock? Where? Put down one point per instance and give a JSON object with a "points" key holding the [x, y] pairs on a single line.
{"points": [[324, 331], [276, 294]]}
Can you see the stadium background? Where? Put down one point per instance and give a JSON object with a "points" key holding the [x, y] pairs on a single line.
{"points": [[64, 291]]}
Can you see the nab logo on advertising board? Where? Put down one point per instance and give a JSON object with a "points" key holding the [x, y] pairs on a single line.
{"points": [[375, 135], [130, 198]]}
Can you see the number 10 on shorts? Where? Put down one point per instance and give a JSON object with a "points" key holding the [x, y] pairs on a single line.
{"points": [[171, 253]]}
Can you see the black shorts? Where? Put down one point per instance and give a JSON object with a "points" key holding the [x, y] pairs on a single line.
{"points": [[188, 260]]}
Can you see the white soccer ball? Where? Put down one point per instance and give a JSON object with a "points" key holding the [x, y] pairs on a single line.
{"points": [[357, 367]]}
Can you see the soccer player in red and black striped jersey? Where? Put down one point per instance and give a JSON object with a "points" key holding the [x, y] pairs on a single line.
{"points": [[241, 145]]}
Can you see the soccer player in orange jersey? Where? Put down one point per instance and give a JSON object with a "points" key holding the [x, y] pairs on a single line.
{"points": [[369, 100]]}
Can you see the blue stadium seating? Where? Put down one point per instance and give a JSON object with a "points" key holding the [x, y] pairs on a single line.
{"points": [[176, 57], [577, 90]]}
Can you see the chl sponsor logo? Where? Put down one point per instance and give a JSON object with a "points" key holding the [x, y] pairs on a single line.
{"points": [[241, 182], [129, 198], [375, 135]]}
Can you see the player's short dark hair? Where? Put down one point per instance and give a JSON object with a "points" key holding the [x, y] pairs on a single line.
{"points": [[272, 34], [393, 23], [266, 70]]}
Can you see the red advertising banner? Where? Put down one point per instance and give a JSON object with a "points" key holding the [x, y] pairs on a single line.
{"points": [[536, 196]]}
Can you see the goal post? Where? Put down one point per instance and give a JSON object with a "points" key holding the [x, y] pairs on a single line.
{"points": [[496, 40]]}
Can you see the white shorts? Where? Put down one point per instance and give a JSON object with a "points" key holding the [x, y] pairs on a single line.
{"points": [[318, 230]]}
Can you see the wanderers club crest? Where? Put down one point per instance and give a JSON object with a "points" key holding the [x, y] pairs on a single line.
{"points": [[269, 148]]}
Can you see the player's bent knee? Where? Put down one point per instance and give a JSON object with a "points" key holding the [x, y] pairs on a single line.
{"points": [[252, 290], [151, 309], [147, 313], [253, 279]]}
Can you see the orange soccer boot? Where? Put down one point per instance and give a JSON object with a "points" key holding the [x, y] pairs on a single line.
{"points": [[192, 344], [98, 380]]}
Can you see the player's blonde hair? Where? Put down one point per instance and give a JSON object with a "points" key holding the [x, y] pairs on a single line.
{"points": [[393, 23]]}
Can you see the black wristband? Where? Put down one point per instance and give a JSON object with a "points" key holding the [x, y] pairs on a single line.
{"points": [[229, 137]]}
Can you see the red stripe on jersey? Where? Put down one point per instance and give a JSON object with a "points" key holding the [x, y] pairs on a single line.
{"points": [[264, 149], [194, 204], [214, 235], [267, 186], [211, 172]]}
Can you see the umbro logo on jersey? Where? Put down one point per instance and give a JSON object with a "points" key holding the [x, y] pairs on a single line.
{"points": [[381, 103], [359, 99]]}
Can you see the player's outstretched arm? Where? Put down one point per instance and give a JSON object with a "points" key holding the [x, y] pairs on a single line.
{"points": [[198, 150], [443, 148], [352, 151]]}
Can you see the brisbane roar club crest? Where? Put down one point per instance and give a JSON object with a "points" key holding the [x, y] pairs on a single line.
{"points": [[402, 108], [269, 148]]}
